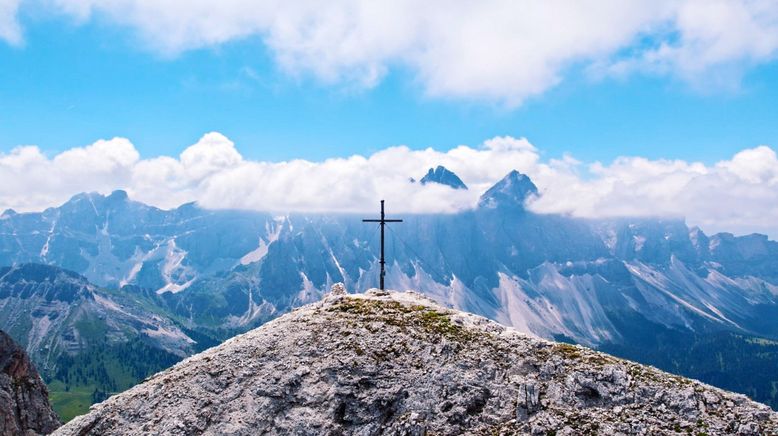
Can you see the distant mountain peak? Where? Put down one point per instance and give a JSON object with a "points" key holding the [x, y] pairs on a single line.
{"points": [[46, 281], [82, 196], [513, 190], [118, 195], [85, 202], [443, 176]]}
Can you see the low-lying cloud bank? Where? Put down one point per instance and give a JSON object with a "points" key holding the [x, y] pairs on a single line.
{"points": [[739, 195], [496, 50]]}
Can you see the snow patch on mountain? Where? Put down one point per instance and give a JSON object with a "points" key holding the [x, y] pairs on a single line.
{"points": [[176, 276], [308, 293], [272, 231], [168, 336], [253, 313], [45, 249]]}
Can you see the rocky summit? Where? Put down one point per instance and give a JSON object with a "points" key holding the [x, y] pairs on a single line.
{"points": [[24, 402], [398, 363], [441, 175]]}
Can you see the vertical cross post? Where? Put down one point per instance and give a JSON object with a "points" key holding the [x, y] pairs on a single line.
{"points": [[382, 223]]}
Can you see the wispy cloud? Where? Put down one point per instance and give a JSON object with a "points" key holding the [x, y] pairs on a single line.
{"points": [[10, 31], [495, 50], [739, 194]]}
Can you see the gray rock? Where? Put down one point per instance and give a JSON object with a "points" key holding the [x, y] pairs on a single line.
{"points": [[397, 363], [24, 401], [528, 402], [338, 289]]}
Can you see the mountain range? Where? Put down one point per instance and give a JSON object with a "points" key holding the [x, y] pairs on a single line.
{"points": [[139, 280]]}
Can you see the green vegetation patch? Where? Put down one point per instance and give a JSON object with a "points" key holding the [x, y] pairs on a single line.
{"points": [[568, 351], [573, 352], [91, 329], [440, 323], [429, 320], [70, 402], [101, 371]]}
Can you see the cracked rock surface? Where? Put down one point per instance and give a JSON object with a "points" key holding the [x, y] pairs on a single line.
{"points": [[398, 363], [24, 399]]}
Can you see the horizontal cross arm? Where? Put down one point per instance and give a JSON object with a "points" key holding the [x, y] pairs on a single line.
{"points": [[393, 221], [371, 221]]}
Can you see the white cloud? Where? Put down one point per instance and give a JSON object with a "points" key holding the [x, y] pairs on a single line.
{"points": [[211, 154], [10, 31], [495, 50], [214, 173], [758, 165], [738, 195], [724, 37]]}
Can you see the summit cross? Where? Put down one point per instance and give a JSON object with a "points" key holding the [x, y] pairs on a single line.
{"points": [[382, 223]]}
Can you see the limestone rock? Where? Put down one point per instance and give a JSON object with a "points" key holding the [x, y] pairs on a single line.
{"points": [[397, 363], [338, 289]]}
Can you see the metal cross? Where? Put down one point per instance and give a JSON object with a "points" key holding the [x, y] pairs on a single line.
{"points": [[382, 222]]}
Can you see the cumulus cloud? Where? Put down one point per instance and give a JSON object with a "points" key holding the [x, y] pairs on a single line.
{"points": [[495, 50], [213, 172], [739, 194]]}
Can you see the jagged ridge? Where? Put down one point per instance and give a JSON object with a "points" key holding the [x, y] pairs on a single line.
{"points": [[443, 176]]}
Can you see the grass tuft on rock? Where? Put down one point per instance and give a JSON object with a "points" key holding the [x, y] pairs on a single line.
{"points": [[429, 320]]}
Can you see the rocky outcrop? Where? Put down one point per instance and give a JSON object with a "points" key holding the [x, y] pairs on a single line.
{"points": [[442, 176], [24, 399], [397, 363]]}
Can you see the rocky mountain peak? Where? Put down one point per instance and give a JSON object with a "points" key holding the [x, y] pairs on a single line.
{"points": [[513, 190], [398, 363], [93, 208], [24, 401], [82, 197], [118, 196], [443, 176]]}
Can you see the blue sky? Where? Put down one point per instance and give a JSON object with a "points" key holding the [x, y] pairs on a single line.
{"points": [[70, 84], [641, 108]]}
